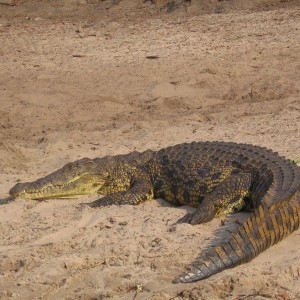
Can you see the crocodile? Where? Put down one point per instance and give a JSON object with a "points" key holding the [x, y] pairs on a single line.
{"points": [[215, 177]]}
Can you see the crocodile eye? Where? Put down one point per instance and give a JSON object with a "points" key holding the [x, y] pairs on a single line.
{"points": [[86, 161]]}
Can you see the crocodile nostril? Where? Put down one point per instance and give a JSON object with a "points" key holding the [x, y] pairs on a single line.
{"points": [[15, 189]]}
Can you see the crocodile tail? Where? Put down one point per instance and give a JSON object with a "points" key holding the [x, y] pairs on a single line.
{"points": [[262, 229]]}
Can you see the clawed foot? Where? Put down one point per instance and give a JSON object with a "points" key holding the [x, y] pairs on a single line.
{"points": [[85, 204], [90, 204], [98, 203], [185, 219], [198, 217]]}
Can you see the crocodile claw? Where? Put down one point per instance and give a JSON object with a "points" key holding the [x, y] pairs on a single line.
{"points": [[185, 219], [198, 217], [105, 201]]}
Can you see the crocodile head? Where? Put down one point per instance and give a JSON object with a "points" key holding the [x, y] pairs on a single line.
{"points": [[77, 178]]}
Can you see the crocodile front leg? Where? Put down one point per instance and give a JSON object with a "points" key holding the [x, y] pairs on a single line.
{"points": [[140, 191], [228, 197]]}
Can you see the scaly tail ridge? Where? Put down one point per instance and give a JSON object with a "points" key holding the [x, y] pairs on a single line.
{"points": [[260, 231]]}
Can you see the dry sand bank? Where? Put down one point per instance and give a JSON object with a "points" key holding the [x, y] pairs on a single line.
{"points": [[76, 87]]}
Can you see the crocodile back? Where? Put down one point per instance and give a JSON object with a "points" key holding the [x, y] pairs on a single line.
{"points": [[276, 179]]}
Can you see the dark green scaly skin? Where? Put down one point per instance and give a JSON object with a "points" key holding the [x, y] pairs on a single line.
{"points": [[216, 177]]}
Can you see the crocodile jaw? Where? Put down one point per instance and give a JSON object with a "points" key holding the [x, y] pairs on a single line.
{"points": [[45, 190], [78, 178]]}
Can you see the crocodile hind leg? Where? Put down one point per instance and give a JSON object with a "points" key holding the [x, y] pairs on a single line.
{"points": [[228, 197], [140, 191]]}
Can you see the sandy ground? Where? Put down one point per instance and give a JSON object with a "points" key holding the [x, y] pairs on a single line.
{"points": [[82, 87]]}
